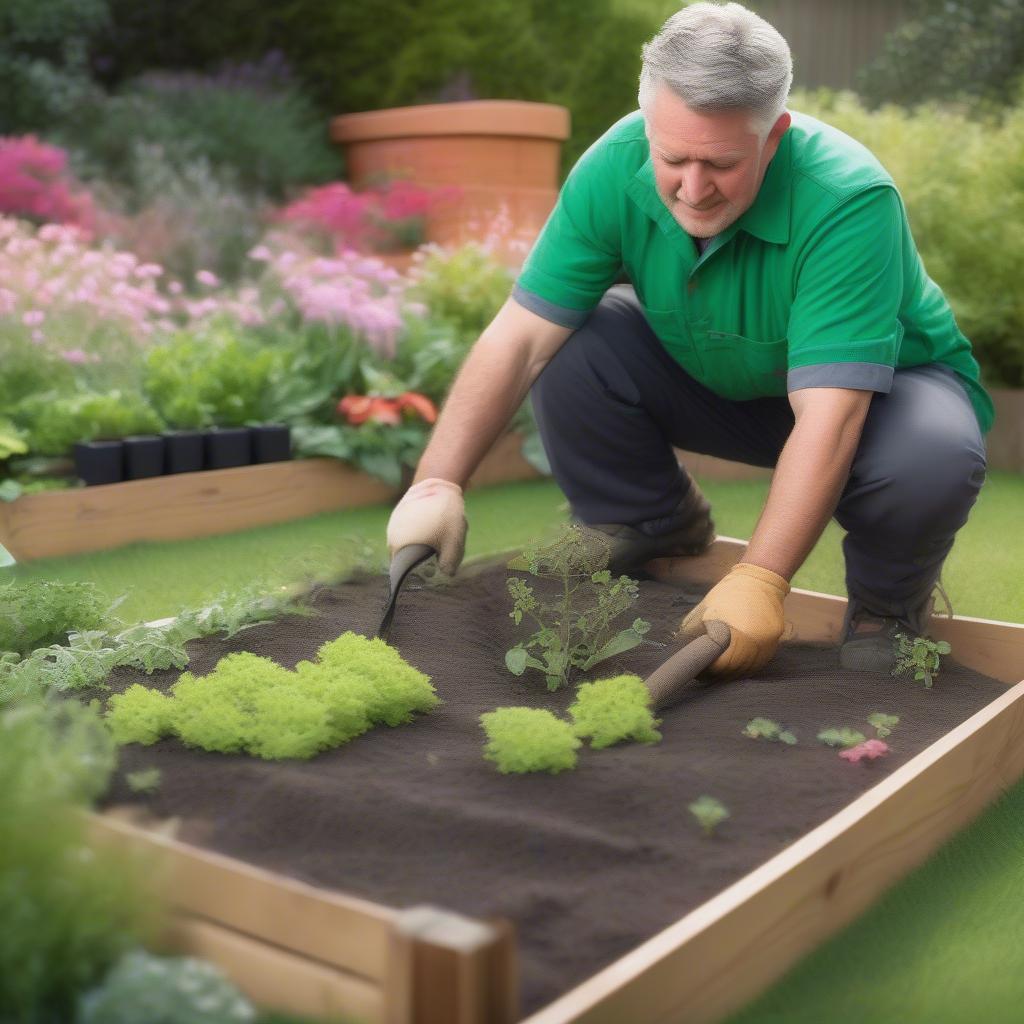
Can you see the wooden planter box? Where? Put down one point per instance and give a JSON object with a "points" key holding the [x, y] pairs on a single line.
{"points": [[495, 155], [309, 950], [212, 502]]}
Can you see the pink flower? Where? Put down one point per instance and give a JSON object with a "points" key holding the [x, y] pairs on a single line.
{"points": [[75, 356], [208, 278], [33, 318], [868, 750], [261, 254]]}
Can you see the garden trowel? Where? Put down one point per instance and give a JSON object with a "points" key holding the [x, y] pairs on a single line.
{"points": [[402, 563], [673, 676]]}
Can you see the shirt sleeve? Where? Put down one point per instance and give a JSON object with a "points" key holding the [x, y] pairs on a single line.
{"points": [[577, 256], [844, 326]]}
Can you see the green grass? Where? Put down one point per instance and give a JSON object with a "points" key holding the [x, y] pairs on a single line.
{"points": [[942, 947]]}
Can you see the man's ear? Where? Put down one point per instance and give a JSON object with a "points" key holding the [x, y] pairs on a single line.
{"points": [[778, 129]]}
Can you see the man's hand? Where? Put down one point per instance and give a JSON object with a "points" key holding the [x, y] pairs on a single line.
{"points": [[749, 601], [431, 512]]}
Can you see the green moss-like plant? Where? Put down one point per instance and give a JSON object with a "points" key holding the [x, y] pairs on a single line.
{"points": [[709, 812], [615, 709], [392, 689], [523, 740], [252, 704], [139, 715], [883, 723]]}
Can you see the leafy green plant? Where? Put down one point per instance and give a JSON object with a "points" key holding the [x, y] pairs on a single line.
{"points": [[39, 612], [12, 440], [55, 423], [575, 629], [615, 709], [145, 781], [218, 378], [90, 655], [709, 812], [69, 911], [920, 656], [164, 990], [840, 737], [521, 740], [766, 729], [252, 704], [883, 723]]}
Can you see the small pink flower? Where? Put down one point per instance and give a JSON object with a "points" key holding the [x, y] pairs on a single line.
{"points": [[174, 287], [868, 750], [261, 254], [75, 356], [33, 318], [208, 278]]}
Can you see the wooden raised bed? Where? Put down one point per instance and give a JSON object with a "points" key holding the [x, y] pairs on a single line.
{"points": [[306, 949], [208, 503]]}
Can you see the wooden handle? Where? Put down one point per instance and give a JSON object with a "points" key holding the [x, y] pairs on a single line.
{"points": [[668, 681]]}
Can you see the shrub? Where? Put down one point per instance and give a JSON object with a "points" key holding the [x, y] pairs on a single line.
{"points": [[35, 185], [964, 217], [68, 912], [611, 710], [253, 123], [521, 740], [982, 48]]}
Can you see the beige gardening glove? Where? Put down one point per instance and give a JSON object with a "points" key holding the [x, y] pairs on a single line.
{"points": [[749, 601], [431, 512]]}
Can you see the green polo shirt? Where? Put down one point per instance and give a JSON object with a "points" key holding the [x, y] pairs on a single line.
{"points": [[818, 284]]}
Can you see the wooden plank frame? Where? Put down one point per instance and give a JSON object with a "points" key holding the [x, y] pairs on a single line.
{"points": [[298, 948], [208, 503]]}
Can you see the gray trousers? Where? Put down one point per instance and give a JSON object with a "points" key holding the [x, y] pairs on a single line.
{"points": [[612, 403]]}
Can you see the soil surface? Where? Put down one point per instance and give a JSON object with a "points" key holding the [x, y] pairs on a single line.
{"points": [[587, 864]]}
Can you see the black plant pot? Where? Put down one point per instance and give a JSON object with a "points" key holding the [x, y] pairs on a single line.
{"points": [[143, 456], [183, 451], [271, 442], [229, 447], [100, 462]]}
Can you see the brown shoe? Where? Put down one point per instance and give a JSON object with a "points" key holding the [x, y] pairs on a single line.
{"points": [[630, 548]]}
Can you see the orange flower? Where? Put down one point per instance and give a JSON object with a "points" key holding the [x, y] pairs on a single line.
{"points": [[359, 409], [420, 404]]}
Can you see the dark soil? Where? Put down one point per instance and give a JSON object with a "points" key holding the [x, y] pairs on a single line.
{"points": [[587, 864]]}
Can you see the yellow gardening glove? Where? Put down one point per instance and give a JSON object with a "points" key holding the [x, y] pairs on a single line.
{"points": [[749, 601], [431, 512]]}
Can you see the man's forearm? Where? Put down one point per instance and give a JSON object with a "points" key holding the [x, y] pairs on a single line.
{"points": [[810, 476], [489, 388]]}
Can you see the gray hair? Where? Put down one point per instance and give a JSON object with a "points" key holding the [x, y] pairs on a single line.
{"points": [[718, 57]]}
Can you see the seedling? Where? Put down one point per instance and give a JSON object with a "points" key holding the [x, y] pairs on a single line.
{"points": [[575, 630], [615, 709], [709, 812], [920, 656], [766, 729], [841, 737], [884, 724], [521, 740], [866, 751], [145, 782]]}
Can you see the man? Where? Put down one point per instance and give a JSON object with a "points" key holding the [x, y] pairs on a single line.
{"points": [[779, 315]]}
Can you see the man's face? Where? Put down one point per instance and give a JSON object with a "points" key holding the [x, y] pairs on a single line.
{"points": [[708, 167]]}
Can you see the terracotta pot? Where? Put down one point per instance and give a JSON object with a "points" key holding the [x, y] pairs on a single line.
{"points": [[499, 157]]}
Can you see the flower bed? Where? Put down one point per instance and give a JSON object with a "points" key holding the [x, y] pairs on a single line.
{"points": [[609, 851]]}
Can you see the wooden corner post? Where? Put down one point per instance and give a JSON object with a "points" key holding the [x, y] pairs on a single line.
{"points": [[449, 969]]}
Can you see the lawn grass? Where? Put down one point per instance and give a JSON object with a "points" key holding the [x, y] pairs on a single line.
{"points": [[161, 579], [942, 947]]}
